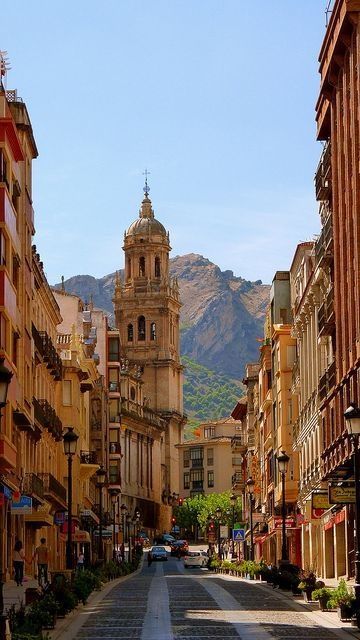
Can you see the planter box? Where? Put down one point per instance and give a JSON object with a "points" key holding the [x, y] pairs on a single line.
{"points": [[345, 612]]}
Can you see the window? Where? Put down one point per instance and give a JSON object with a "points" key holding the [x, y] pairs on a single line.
{"points": [[67, 393], [114, 410], [132, 393], [15, 271], [209, 432], [153, 331], [3, 169], [3, 249], [187, 480], [141, 328], [157, 267], [114, 475], [197, 479], [130, 331], [210, 478], [129, 268], [186, 457], [142, 266], [283, 316], [15, 348], [210, 457], [3, 332], [196, 454], [114, 350]]}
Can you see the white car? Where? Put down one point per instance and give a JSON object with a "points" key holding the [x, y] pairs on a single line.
{"points": [[196, 559]]}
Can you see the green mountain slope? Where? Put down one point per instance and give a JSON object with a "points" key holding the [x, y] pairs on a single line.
{"points": [[207, 395]]}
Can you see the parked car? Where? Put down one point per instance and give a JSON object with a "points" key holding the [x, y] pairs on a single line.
{"points": [[196, 558], [179, 546], [158, 553], [143, 539]]}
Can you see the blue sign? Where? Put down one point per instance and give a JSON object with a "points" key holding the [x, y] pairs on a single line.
{"points": [[238, 535], [22, 506]]}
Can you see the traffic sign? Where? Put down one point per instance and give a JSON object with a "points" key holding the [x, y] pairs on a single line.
{"points": [[238, 535]]}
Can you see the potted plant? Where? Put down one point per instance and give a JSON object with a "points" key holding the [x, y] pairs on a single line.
{"points": [[342, 599], [322, 595], [307, 583]]}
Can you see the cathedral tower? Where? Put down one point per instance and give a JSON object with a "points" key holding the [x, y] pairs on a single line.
{"points": [[147, 312]]}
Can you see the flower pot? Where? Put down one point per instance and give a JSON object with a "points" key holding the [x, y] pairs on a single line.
{"points": [[323, 603], [307, 593], [344, 612]]}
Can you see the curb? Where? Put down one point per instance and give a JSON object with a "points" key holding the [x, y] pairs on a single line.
{"points": [[68, 627]]}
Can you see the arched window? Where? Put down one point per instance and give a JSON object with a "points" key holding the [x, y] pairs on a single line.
{"points": [[129, 268], [142, 266], [141, 328], [153, 331], [130, 333], [132, 393], [157, 267]]}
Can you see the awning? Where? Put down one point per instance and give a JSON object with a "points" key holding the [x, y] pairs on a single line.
{"points": [[77, 536], [39, 519]]}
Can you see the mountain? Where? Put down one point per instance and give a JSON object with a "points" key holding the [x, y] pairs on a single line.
{"points": [[221, 317]]}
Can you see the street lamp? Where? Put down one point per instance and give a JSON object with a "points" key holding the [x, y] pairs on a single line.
{"points": [[352, 416], [250, 484], [128, 534], [218, 514], [283, 461], [70, 442], [123, 510], [5, 379], [100, 481], [135, 521], [233, 499], [114, 496]]}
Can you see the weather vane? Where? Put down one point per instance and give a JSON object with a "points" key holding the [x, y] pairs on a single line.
{"points": [[146, 188]]}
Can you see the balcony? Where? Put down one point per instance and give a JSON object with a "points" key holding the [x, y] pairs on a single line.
{"points": [[237, 481], [88, 464], [114, 449], [324, 247], [197, 486], [49, 353], [47, 418], [33, 486], [198, 463], [114, 387], [54, 491], [327, 382], [326, 315], [323, 175], [238, 444], [88, 457]]}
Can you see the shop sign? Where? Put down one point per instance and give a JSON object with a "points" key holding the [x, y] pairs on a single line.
{"points": [[59, 517], [290, 522], [211, 536], [22, 507], [320, 500], [5, 491], [341, 495], [224, 531]]}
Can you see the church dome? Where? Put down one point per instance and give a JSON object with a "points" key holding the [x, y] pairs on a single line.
{"points": [[147, 223]]}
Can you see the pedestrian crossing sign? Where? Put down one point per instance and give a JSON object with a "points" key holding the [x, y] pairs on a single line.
{"points": [[238, 535]]}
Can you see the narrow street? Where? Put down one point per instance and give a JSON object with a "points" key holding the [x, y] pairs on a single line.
{"points": [[167, 602]]}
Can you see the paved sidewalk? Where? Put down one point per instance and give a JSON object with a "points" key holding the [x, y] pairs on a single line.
{"points": [[14, 594]]}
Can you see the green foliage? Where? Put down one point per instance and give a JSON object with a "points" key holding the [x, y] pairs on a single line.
{"points": [[85, 582], [197, 511], [323, 593], [342, 595], [207, 395]]}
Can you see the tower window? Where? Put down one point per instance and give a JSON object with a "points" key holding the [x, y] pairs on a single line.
{"points": [[130, 333], [157, 267], [141, 328], [153, 331], [129, 268], [142, 266]]}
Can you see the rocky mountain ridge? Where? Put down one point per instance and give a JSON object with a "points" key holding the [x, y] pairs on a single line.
{"points": [[221, 317]]}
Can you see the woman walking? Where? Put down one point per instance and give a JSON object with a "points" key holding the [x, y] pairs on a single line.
{"points": [[19, 561]]}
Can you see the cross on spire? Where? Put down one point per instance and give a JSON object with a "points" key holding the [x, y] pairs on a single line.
{"points": [[146, 173]]}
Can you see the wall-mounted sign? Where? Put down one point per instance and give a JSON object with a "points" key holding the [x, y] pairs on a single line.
{"points": [[22, 507], [320, 500], [341, 495], [276, 522]]}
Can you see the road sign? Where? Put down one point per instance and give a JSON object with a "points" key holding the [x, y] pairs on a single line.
{"points": [[238, 535]]}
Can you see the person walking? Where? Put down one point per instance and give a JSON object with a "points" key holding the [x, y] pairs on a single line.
{"points": [[80, 561], [149, 558], [226, 549], [18, 562], [42, 559]]}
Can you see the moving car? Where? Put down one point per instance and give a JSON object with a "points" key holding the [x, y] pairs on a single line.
{"points": [[158, 553], [196, 558], [179, 545], [165, 538]]}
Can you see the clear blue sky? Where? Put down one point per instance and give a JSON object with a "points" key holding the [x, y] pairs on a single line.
{"points": [[215, 97]]}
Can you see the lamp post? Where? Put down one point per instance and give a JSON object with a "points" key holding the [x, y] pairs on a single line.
{"points": [[128, 534], [233, 503], [70, 442], [100, 481], [123, 510], [283, 461], [352, 416], [135, 521], [114, 496], [5, 379], [250, 490], [218, 514]]}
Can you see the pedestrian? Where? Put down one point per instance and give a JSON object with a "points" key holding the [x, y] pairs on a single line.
{"points": [[149, 558], [42, 559], [18, 562], [225, 549], [80, 561]]}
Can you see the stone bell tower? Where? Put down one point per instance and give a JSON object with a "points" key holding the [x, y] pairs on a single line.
{"points": [[147, 312]]}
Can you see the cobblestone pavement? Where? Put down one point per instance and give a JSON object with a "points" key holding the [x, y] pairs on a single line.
{"points": [[167, 602]]}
